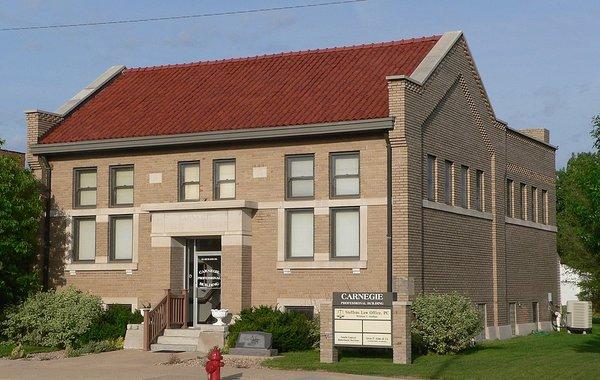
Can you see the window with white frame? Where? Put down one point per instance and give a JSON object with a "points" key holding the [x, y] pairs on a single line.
{"points": [[544, 205], [345, 174], [121, 180], [345, 233], [431, 177], [224, 179], [84, 239], [300, 234], [121, 238], [85, 187], [189, 181], [300, 176], [523, 201], [534, 204]]}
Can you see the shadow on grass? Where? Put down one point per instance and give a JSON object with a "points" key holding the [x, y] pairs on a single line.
{"points": [[591, 344]]}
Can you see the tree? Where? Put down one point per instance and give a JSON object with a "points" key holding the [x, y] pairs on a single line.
{"points": [[578, 217], [20, 211]]}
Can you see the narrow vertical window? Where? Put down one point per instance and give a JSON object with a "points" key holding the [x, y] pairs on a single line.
{"points": [[345, 174], [544, 210], [534, 204], [464, 186], [84, 239], [300, 234], [345, 233], [522, 201], [509, 198], [121, 180], [189, 181], [448, 182], [431, 177], [85, 186], [121, 237], [535, 313], [479, 191], [224, 179], [300, 176]]}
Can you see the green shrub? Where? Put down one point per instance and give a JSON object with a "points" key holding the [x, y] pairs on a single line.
{"points": [[52, 319], [95, 347], [112, 324], [445, 323], [291, 331]]}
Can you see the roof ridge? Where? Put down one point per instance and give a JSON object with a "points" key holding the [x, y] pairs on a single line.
{"points": [[289, 53]]}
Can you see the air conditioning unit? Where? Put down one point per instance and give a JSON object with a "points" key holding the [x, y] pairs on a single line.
{"points": [[579, 316]]}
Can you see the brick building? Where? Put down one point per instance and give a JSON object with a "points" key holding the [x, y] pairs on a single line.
{"points": [[17, 155], [282, 178]]}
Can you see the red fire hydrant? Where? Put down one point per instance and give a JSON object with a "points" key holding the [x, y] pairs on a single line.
{"points": [[214, 363]]}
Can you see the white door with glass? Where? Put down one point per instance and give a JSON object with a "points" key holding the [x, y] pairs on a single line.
{"points": [[206, 276]]}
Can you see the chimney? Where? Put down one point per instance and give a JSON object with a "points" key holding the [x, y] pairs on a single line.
{"points": [[541, 134], [38, 123]]}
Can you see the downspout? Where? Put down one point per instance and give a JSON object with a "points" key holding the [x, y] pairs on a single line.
{"points": [[389, 214], [48, 207]]}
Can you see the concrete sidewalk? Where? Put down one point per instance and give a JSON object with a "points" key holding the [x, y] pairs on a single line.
{"points": [[133, 364]]}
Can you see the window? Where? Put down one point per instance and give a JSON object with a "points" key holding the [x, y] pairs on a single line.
{"points": [[512, 317], [535, 314], [189, 181], [308, 311], [522, 201], [448, 182], [345, 174], [534, 206], [509, 198], [84, 239], [431, 177], [300, 234], [121, 237], [345, 233], [224, 179], [300, 176], [121, 179], [479, 194], [85, 187], [544, 209], [482, 308], [464, 186]]}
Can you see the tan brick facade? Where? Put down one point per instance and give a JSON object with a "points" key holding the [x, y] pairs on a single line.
{"points": [[481, 253]]}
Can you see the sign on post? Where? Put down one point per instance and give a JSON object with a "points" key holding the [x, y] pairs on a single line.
{"points": [[362, 319]]}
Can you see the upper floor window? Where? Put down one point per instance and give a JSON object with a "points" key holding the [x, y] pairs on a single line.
{"points": [[431, 177], [224, 179], [345, 233], [464, 186], [300, 176], [189, 181], [522, 201], [345, 174], [534, 204], [85, 187], [479, 190], [544, 209], [448, 182], [509, 197], [84, 239], [121, 237], [121, 185], [300, 234]]}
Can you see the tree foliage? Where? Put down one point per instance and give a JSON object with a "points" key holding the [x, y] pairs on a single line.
{"points": [[20, 210], [578, 217]]}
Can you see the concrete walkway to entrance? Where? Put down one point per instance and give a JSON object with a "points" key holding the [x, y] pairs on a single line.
{"points": [[133, 364]]}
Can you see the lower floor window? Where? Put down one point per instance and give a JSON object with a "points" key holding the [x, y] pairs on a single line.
{"points": [[300, 234], [121, 237], [345, 232], [84, 239], [309, 311]]}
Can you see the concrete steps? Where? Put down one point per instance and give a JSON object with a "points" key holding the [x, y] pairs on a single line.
{"points": [[158, 347], [189, 340]]}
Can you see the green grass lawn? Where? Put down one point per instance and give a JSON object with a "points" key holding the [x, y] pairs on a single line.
{"points": [[6, 349], [555, 355]]}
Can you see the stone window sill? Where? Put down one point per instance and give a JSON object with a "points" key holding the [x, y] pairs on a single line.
{"points": [[457, 210], [100, 266], [332, 264], [530, 224]]}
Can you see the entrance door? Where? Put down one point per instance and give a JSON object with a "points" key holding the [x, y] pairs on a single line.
{"points": [[206, 286]]}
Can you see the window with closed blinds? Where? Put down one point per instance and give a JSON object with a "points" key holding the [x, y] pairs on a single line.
{"points": [[300, 181], [121, 237], [121, 185], [189, 181], [300, 234], [84, 239], [85, 187], [345, 174], [345, 232], [224, 179]]}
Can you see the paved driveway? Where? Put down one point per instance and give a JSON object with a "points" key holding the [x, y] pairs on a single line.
{"points": [[133, 364]]}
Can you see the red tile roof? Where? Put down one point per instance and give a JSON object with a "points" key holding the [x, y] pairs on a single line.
{"points": [[314, 86]]}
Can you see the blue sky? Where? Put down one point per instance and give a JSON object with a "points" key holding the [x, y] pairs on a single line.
{"points": [[538, 59]]}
